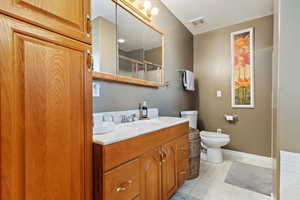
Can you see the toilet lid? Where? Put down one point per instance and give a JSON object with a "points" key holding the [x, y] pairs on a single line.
{"points": [[213, 134]]}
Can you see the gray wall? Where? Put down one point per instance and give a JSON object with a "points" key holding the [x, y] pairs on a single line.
{"points": [[252, 133], [178, 55]]}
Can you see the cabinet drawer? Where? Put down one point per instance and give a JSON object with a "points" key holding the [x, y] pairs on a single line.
{"points": [[183, 148], [123, 182], [183, 169]]}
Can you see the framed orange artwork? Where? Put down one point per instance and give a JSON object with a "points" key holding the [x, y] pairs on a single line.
{"points": [[242, 57]]}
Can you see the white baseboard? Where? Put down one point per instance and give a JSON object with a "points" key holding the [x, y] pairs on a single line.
{"points": [[236, 155]]}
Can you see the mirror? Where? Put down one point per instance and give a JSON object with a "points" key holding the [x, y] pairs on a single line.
{"points": [[104, 36], [139, 48], [125, 47]]}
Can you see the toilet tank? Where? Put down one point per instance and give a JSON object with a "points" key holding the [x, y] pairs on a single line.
{"points": [[192, 115]]}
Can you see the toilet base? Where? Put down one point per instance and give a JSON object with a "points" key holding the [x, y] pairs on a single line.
{"points": [[214, 155]]}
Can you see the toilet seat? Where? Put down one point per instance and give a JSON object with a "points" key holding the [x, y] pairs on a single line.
{"points": [[213, 135]]}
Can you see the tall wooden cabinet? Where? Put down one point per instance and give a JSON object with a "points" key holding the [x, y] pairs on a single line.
{"points": [[68, 17], [45, 96]]}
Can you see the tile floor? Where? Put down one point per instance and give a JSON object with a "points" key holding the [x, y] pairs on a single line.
{"points": [[210, 184]]}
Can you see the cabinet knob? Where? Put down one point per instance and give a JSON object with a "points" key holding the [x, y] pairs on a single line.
{"points": [[163, 156]]}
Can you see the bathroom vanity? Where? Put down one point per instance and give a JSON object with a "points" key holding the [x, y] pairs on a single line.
{"points": [[141, 160]]}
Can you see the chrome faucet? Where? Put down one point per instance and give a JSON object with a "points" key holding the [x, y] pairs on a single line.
{"points": [[128, 118]]}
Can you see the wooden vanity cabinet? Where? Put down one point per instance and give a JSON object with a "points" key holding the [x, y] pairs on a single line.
{"points": [[159, 171], [68, 17]]}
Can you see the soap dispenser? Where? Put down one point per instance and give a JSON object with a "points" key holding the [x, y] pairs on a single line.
{"points": [[144, 111]]}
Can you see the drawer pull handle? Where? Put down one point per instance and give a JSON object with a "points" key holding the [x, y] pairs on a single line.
{"points": [[124, 186], [183, 173]]}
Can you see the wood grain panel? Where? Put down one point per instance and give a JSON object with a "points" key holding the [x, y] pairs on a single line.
{"points": [[44, 144], [61, 16], [63, 10], [54, 111], [150, 174], [169, 169], [117, 153]]}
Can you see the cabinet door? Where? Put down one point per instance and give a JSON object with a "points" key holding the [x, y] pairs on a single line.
{"points": [[45, 117], [169, 169], [150, 174], [68, 17]]}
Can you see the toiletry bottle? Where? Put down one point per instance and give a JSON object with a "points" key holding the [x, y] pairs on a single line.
{"points": [[140, 111], [144, 110]]}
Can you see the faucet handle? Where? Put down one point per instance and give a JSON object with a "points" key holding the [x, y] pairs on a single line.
{"points": [[108, 118], [123, 118], [134, 117]]}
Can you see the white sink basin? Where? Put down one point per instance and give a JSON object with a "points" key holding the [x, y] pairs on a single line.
{"points": [[141, 124], [133, 129]]}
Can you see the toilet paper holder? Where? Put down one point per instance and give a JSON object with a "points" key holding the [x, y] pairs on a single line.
{"points": [[231, 118]]}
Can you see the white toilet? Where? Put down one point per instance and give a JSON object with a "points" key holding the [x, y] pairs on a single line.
{"points": [[192, 116], [212, 142]]}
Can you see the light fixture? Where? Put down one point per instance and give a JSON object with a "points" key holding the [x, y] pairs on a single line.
{"points": [[154, 11], [147, 5], [121, 40]]}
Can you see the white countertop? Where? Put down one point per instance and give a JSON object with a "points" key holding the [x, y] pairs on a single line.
{"points": [[134, 129]]}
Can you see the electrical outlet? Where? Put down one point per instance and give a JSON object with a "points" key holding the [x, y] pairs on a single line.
{"points": [[96, 89], [219, 93]]}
